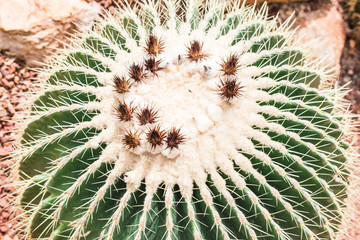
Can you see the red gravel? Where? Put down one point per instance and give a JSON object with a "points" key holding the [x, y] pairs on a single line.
{"points": [[15, 78]]}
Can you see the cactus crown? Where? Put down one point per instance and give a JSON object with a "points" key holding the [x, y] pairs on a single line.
{"points": [[184, 121]]}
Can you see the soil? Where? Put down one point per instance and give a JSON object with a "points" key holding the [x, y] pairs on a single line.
{"points": [[350, 73], [16, 78]]}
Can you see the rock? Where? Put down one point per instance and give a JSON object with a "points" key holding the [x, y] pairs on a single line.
{"points": [[352, 45], [321, 28], [325, 29], [3, 203], [3, 113], [6, 237], [30, 28], [3, 228]]}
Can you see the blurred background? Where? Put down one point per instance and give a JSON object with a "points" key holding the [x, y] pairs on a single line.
{"points": [[31, 29]]}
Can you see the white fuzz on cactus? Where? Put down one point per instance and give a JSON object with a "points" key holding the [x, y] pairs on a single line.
{"points": [[183, 121]]}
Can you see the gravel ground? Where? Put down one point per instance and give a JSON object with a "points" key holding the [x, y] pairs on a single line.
{"points": [[350, 76], [16, 78], [350, 73]]}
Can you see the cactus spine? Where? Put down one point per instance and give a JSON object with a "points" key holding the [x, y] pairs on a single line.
{"points": [[200, 123]]}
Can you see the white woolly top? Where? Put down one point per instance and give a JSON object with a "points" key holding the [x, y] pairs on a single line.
{"points": [[186, 93]]}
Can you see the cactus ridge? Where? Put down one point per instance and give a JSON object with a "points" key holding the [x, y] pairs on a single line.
{"points": [[177, 122]]}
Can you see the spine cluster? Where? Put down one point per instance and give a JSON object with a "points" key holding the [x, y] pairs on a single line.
{"points": [[229, 87], [147, 115]]}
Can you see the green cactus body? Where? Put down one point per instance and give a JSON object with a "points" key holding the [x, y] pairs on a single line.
{"points": [[193, 124]]}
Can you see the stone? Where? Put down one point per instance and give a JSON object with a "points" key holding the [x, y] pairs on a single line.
{"points": [[3, 228], [29, 29], [6, 237], [3, 113], [3, 203], [321, 29], [326, 33]]}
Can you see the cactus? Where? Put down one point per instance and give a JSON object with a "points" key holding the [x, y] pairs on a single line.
{"points": [[184, 121]]}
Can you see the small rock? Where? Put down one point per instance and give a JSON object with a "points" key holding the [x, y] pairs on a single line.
{"points": [[3, 113], [5, 214], [7, 84], [352, 45], [3, 203], [11, 109], [10, 61], [16, 80], [6, 237], [3, 228], [10, 76]]}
